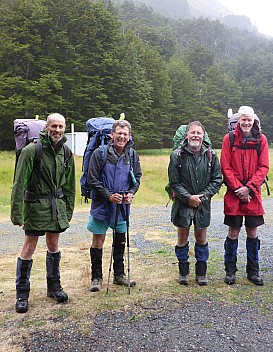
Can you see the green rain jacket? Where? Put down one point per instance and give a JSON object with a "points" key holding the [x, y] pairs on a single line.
{"points": [[190, 176], [43, 200]]}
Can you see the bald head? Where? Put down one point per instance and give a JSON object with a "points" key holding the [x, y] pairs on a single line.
{"points": [[55, 126]]}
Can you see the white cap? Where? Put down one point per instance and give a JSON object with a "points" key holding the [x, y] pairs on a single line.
{"points": [[246, 110]]}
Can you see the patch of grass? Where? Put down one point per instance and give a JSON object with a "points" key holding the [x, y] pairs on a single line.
{"points": [[154, 152], [154, 165], [32, 323]]}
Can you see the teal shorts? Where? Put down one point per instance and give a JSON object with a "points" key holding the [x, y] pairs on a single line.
{"points": [[99, 227]]}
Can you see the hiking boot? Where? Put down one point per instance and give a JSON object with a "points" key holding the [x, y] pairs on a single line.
{"points": [[255, 279], [201, 270], [230, 279], [96, 285], [201, 280], [59, 296], [183, 280], [21, 305], [123, 281]]}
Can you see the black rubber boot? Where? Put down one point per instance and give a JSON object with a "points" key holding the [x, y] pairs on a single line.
{"points": [[230, 256], [252, 267], [96, 269], [54, 288], [118, 262], [22, 284], [201, 255]]}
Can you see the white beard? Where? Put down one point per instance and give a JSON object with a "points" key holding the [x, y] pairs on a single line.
{"points": [[194, 144]]}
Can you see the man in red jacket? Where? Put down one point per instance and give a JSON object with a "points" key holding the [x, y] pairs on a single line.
{"points": [[244, 164]]}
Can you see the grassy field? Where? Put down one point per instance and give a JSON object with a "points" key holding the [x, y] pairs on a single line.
{"points": [[156, 273], [154, 166]]}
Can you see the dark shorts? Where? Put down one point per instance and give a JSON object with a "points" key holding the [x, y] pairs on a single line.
{"points": [[41, 233], [236, 221]]}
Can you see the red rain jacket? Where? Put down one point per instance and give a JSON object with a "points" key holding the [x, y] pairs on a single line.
{"points": [[244, 167]]}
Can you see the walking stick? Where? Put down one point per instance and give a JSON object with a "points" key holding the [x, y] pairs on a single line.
{"points": [[113, 246], [128, 246]]}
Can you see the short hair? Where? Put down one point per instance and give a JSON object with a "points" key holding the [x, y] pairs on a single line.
{"points": [[195, 123], [55, 115], [122, 124], [246, 111]]}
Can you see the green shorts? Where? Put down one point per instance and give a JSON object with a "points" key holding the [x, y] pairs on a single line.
{"points": [[99, 227]]}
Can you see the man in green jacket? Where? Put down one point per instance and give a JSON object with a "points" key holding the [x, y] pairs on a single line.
{"points": [[194, 177], [42, 201]]}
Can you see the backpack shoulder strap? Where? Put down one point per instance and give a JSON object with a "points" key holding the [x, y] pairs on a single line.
{"points": [[38, 154], [103, 149], [231, 139], [209, 152], [131, 156], [67, 154]]}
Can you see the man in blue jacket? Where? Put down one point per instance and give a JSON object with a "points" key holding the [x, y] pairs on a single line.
{"points": [[112, 185]]}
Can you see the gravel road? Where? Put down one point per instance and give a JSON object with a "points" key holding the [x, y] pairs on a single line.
{"points": [[169, 324]]}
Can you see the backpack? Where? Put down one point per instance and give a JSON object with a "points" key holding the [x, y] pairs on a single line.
{"points": [[178, 138], [256, 130], [180, 135], [27, 131], [99, 131]]}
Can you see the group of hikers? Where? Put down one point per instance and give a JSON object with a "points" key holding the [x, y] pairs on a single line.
{"points": [[43, 196]]}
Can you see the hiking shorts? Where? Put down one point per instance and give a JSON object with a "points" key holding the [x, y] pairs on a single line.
{"points": [[41, 233], [99, 227], [236, 221]]}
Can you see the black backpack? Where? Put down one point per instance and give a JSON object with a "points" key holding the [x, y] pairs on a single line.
{"points": [[256, 129]]}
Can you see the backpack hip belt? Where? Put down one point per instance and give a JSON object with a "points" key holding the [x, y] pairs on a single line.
{"points": [[31, 197]]}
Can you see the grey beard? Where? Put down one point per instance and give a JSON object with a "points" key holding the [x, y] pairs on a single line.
{"points": [[194, 144], [55, 140]]}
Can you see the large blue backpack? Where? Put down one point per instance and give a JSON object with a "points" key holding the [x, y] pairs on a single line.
{"points": [[99, 133]]}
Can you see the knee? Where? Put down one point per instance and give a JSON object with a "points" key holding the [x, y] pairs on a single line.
{"points": [[98, 241], [52, 245], [28, 250]]}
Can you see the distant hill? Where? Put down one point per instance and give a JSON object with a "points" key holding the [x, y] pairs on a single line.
{"points": [[187, 9]]}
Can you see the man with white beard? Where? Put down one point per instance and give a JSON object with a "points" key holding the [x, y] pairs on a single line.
{"points": [[194, 177]]}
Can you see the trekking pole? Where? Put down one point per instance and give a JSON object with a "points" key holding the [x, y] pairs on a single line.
{"points": [[113, 246], [128, 246]]}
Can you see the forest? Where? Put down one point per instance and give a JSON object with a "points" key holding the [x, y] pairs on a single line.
{"points": [[87, 58]]}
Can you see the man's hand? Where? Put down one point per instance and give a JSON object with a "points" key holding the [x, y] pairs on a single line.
{"points": [[116, 198], [195, 200], [128, 197], [243, 194]]}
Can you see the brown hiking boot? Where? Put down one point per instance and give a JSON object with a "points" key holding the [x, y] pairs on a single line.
{"points": [[183, 280], [201, 280], [96, 285], [59, 295], [123, 281]]}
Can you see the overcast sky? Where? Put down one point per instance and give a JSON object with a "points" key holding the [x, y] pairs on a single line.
{"points": [[259, 11]]}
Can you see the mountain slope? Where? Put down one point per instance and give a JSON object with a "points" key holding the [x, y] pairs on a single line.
{"points": [[187, 9]]}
